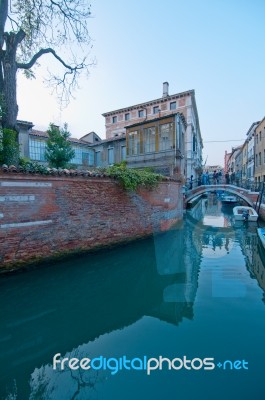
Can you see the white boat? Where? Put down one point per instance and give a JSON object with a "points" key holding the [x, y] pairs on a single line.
{"points": [[261, 233], [229, 199], [242, 213]]}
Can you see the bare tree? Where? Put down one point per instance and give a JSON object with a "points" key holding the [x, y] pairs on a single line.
{"points": [[30, 29]]}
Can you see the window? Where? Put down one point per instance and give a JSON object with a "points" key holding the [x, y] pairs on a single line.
{"points": [[98, 158], [165, 136], [110, 156], [173, 105], [256, 163], [114, 120], [149, 140], [82, 156], [133, 143], [259, 158], [37, 149], [141, 113], [156, 110], [249, 172], [263, 156], [194, 143], [123, 153], [127, 116]]}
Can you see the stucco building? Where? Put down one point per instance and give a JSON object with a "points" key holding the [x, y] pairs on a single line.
{"points": [[260, 152], [235, 156], [32, 145], [251, 152], [158, 143], [110, 151], [183, 103]]}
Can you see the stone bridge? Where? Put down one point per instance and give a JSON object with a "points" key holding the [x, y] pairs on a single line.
{"points": [[247, 195]]}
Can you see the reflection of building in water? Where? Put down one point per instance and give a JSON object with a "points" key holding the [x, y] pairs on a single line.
{"points": [[63, 306], [255, 255], [197, 212], [214, 206], [192, 258], [256, 264], [211, 235], [182, 264], [210, 211]]}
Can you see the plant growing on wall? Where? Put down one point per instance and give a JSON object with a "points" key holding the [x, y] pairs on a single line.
{"points": [[30, 29], [131, 178], [59, 150]]}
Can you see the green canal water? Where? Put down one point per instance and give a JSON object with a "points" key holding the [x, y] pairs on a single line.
{"points": [[194, 293]]}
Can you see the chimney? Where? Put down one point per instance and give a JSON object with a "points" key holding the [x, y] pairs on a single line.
{"points": [[165, 89]]}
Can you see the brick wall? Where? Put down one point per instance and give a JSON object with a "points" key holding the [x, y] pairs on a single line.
{"points": [[51, 216]]}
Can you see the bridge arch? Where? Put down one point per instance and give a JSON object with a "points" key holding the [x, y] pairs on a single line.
{"points": [[249, 197]]}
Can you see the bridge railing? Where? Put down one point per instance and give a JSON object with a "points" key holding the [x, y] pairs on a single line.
{"points": [[242, 183]]}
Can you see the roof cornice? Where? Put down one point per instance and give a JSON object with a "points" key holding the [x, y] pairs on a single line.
{"points": [[151, 102]]}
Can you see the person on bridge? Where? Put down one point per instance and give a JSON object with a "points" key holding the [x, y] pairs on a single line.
{"points": [[215, 177], [207, 178], [191, 182], [204, 178]]}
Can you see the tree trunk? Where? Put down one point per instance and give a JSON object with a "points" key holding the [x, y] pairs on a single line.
{"points": [[10, 107]]}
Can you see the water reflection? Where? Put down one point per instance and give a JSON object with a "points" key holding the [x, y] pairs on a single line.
{"points": [[57, 308], [129, 300], [255, 259]]}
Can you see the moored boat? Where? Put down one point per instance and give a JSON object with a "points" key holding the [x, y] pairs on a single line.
{"points": [[229, 199], [243, 213], [261, 233]]}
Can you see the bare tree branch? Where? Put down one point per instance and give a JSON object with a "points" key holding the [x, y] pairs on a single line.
{"points": [[41, 53], [41, 27], [3, 17]]}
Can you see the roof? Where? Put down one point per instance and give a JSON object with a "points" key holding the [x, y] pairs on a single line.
{"points": [[91, 133], [158, 119], [252, 126], [44, 135], [28, 123], [260, 122], [112, 139], [151, 102]]}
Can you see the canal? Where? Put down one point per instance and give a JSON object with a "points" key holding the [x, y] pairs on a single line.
{"points": [[193, 296]]}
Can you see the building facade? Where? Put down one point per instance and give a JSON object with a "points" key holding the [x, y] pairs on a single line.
{"points": [[183, 103], [226, 161], [244, 159], [32, 145], [110, 151], [251, 152], [248, 160], [233, 161], [158, 143], [260, 152]]}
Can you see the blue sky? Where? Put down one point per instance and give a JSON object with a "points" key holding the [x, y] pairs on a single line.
{"points": [[214, 47]]}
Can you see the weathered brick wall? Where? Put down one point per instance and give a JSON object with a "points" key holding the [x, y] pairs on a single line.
{"points": [[49, 216]]}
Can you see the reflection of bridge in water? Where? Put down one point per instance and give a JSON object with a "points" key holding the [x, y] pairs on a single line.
{"points": [[247, 195]]}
